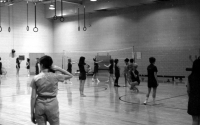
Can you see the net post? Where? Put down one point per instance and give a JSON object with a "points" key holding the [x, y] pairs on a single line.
{"points": [[133, 54]]}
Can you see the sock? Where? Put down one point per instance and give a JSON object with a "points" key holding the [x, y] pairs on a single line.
{"points": [[146, 100]]}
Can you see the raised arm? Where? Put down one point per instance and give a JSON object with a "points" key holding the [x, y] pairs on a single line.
{"points": [[107, 65], [99, 61], [73, 62], [64, 72]]}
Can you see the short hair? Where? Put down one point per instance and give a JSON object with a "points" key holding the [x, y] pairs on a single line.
{"points": [[126, 60], [28, 60], [46, 62], [196, 67], [152, 60], [131, 60], [116, 61]]}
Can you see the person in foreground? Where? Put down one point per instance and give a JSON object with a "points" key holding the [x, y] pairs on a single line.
{"points": [[193, 89], [44, 103]]}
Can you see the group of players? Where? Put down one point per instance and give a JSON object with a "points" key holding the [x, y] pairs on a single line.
{"points": [[45, 84], [130, 72]]}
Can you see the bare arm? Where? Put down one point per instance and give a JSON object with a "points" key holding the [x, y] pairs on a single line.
{"points": [[155, 75], [86, 68], [107, 65], [99, 61], [66, 73], [73, 62]]}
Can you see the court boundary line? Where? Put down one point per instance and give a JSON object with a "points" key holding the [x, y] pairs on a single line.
{"points": [[157, 105]]}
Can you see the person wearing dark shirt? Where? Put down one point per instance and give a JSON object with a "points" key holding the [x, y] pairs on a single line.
{"points": [[117, 73], [96, 69], [69, 68], [28, 67], [110, 68], [83, 68], [37, 66], [193, 87], [69, 65], [126, 70], [17, 66], [152, 79]]}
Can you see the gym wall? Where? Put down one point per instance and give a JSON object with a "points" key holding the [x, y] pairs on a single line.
{"points": [[23, 41], [167, 31], [19, 38]]}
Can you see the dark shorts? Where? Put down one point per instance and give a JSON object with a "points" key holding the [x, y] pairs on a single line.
{"points": [[82, 76], [28, 67], [95, 70], [152, 84]]}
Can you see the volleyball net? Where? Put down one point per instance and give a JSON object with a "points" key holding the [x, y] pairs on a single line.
{"points": [[61, 59], [169, 61]]}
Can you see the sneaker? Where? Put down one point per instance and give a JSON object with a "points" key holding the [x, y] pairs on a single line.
{"points": [[145, 102], [116, 86]]}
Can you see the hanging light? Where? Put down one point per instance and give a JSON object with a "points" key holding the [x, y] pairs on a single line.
{"points": [[10, 3], [51, 7]]}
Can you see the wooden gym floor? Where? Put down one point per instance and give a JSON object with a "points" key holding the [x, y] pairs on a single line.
{"points": [[104, 104]]}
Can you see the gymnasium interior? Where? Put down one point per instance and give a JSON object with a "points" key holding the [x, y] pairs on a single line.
{"points": [[168, 30]]}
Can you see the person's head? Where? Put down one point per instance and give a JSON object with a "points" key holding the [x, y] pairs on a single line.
{"points": [[17, 60], [152, 60], [69, 60], [131, 60], [116, 61], [38, 59], [126, 60], [196, 67], [46, 62], [82, 60], [28, 60], [94, 59], [111, 61]]}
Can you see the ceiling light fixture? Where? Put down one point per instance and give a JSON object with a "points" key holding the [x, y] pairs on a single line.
{"points": [[10, 4], [93, 0], [51, 7]]}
